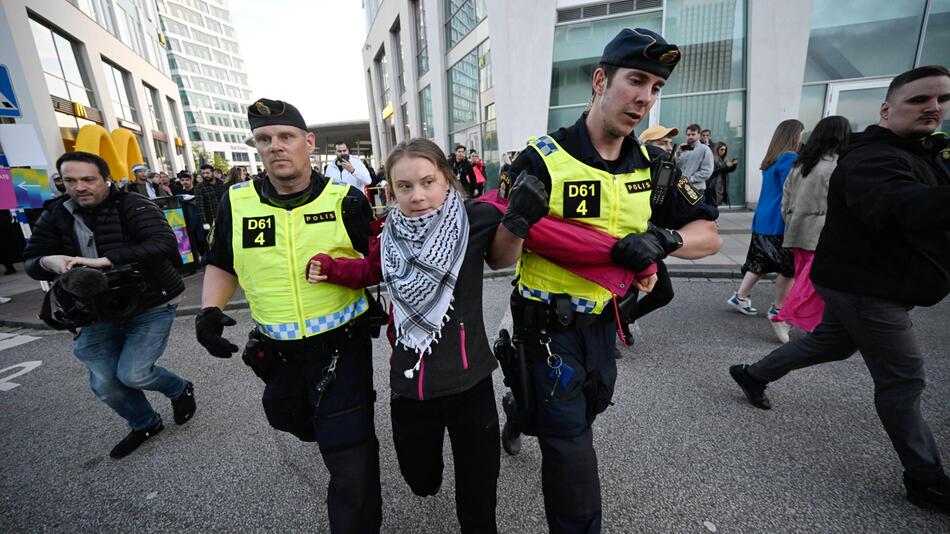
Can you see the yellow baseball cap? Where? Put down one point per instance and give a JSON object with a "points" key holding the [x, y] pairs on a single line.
{"points": [[659, 131]]}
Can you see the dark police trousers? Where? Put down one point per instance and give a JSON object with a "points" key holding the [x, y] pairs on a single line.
{"points": [[882, 330], [342, 425], [569, 477], [471, 418]]}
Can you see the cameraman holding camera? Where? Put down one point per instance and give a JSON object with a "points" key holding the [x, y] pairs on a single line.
{"points": [[346, 170], [95, 225]]}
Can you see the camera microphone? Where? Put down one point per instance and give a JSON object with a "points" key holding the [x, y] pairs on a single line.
{"points": [[84, 282]]}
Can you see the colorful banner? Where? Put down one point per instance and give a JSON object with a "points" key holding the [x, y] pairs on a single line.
{"points": [[176, 219], [31, 187], [7, 196]]}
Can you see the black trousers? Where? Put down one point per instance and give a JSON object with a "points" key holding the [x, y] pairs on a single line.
{"points": [[341, 422], [471, 418], [569, 477], [661, 295], [883, 332]]}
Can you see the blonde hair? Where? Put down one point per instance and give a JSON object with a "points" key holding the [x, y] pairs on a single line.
{"points": [[420, 147], [787, 138]]}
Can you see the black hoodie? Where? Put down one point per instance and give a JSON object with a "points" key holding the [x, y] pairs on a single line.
{"points": [[887, 232]]}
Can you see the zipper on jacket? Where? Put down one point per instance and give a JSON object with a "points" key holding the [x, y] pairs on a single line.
{"points": [[422, 372], [614, 207], [298, 305], [462, 342]]}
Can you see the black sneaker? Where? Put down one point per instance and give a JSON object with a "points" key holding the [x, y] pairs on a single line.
{"points": [[184, 405], [931, 494], [510, 436], [753, 389], [134, 439]]}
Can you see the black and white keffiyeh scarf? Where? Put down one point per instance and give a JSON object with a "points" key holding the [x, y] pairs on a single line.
{"points": [[421, 258]]}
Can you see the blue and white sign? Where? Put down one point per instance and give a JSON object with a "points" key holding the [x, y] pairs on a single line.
{"points": [[8, 103]]}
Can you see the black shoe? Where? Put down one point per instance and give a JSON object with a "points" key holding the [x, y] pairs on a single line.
{"points": [[753, 389], [134, 439], [510, 436], [184, 405], [931, 494], [10, 270]]}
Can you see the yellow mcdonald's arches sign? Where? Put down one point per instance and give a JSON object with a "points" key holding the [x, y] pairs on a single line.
{"points": [[120, 149]]}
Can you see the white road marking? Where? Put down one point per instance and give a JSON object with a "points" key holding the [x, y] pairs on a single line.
{"points": [[8, 341]]}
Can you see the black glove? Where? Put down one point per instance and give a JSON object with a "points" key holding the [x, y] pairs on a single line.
{"points": [[637, 251], [209, 324], [527, 203]]}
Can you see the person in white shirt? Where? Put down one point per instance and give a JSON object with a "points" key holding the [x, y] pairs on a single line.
{"points": [[347, 170]]}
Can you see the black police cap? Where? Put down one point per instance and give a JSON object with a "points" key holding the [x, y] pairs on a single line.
{"points": [[267, 112], [643, 50]]}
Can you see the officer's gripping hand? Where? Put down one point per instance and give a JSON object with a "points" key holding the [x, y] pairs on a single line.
{"points": [[637, 251], [527, 204], [209, 325]]}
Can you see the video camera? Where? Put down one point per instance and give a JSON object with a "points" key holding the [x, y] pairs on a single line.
{"points": [[83, 296]]}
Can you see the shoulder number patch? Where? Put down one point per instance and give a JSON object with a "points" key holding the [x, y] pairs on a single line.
{"points": [[259, 232], [314, 218], [582, 200], [688, 191]]}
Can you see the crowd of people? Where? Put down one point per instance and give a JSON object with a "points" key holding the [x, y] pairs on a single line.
{"points": [[853, 226]]}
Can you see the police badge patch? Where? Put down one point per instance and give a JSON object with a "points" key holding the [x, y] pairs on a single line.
{"points": [[688, 191], [262, 108]]}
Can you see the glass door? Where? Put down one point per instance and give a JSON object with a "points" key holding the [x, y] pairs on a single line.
{"points": [[859, 102]]}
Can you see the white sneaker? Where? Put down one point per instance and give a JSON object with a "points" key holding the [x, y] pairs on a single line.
{"points": [[781, 329], [4, 300], [743, 306]]}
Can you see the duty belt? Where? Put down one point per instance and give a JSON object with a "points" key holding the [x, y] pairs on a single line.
{"points": [[555, 316]]}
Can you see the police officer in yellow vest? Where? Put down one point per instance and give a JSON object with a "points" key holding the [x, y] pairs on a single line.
{"points": [[309, 344], [598, 174]]}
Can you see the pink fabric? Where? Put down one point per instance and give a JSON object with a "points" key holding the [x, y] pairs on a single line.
{"points": [[581, 249], [803, 307]]}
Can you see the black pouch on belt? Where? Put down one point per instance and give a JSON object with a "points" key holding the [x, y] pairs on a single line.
{"points": [[258, 355]]}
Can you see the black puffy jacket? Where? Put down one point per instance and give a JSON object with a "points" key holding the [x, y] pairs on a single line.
{"points": [[128, 229], [887, 231]]}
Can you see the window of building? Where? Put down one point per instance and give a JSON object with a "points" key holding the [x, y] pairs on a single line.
{"points": [[196, 50], [382, 73], [212, 25], [184, 13], [485, 80], [205, 38], [64, 76], [204, 84], [215, 72], [463, 92], [186, 64], [422, 43], [846, 42], [232, 91], [221, 58], [577, 50], [724, 115], [240, 156], [154, 108], [711, 37], [397, 58], [220, 13], [935, 49], [404, 113], [161, 155], [230, 46], [238, 77], [228, 31], [425, 104], [461, 17], [198, 100], [176, 28], [120, 91]]}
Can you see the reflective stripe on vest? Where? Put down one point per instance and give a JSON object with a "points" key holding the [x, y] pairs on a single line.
{"points": [[272, 247], [616, 204]]}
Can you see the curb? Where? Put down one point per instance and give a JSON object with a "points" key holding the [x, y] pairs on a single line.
{"points": [[713, 272]]}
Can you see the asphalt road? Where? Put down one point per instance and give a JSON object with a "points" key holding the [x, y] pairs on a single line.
{"points": [[680, 451]]}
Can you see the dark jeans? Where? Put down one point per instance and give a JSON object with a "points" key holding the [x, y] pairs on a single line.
{"points": [[472, 421], [121, 358], [569, 477], [341, 422], [883, 332]]}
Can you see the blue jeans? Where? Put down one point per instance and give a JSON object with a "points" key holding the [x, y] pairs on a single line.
{"points": [[121, 359]]}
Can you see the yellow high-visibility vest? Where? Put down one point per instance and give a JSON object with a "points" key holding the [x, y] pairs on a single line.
{"points": [[616, 204], [272, 247]]}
